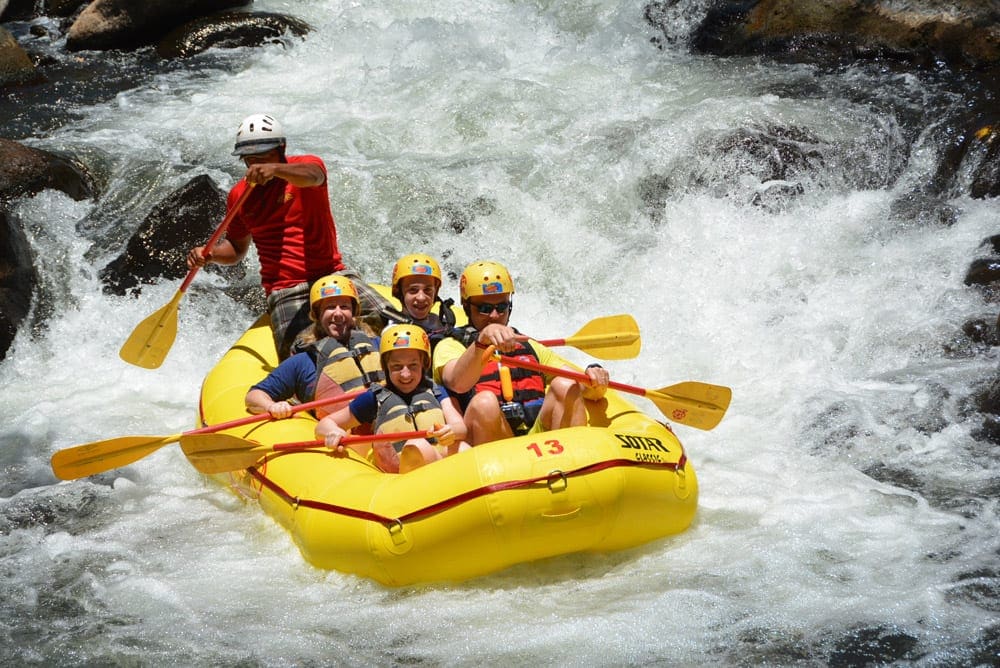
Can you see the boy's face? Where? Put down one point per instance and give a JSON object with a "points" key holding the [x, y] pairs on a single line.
{"points": [[418, 295], [405, 368]]}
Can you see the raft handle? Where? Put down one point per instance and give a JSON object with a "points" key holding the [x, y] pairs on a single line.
{"points": [[557, 475]]}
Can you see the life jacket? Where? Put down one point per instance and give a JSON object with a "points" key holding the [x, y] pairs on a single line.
{"points": [[528, 387], [420, 411], [341, 368]]}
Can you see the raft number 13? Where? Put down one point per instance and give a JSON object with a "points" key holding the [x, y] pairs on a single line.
{"points": [[550, 447], [648, 445]]}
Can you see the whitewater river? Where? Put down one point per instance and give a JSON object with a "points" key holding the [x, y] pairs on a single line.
{"points": [[846, 511]]}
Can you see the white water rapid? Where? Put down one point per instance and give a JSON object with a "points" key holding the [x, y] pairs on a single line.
{"points": [[566, 144]]}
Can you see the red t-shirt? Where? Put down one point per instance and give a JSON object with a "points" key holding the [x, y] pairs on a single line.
{"points": [[291, 227]]}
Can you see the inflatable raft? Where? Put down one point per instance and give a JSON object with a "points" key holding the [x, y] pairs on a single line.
{"points": [[619, 482]]}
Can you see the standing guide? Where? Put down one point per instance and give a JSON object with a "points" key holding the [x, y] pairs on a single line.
{"points": [[288, 218]]}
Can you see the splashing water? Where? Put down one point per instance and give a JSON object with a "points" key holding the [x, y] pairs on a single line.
{"points": [[743, 213]]}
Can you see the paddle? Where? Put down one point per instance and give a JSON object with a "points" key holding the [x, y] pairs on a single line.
{"points": [[691, 403], [613, 337], [84, 460], [152, 338], [218, 453]]}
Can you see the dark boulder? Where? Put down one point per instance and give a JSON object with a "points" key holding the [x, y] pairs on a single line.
{"points": [[24, 10], [17, 279], [971, 163], [15, 65], [17, 10], [983, 271], [129, 24], [986, 175], [229, 30], [25, 171], [917, 34], [982, 330], [158, 249]]}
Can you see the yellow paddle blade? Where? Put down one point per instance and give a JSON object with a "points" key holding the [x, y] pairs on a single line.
{"points": [[152, 338], [219, 453], [698, 405], [614, 337], [92, 458]]}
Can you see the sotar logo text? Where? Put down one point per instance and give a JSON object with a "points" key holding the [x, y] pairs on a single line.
{"points": [[641, 442]]}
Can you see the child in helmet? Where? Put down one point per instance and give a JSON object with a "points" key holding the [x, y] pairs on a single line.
{"points": [[416, 283], [337, 358], [409, 401]]}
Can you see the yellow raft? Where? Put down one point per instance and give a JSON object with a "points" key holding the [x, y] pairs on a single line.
{"points": [[619, 482]]}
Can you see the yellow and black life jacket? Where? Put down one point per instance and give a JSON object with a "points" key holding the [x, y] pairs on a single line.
{"points": [[341, 368], [420, 411]]}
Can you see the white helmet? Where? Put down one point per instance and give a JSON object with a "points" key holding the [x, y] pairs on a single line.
{"points": [[259, 133]]}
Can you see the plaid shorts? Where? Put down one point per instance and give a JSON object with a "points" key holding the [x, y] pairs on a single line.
{"points": [[289, 309]]}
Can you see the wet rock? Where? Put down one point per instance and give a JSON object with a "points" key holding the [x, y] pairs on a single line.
{"points": [[767, 166], [983, 271], [986, 176], [25, 171], [229, 30], [17, 10], [248, 293], [158, 249], [988, 430], [980, 588], [775, 196], [18, 279], [915, 33], [992, 243], [654, 190], [897, 476], [457, 216], [988, 399], [985, 646], [874, 645], [981, 330], [23, 10], [971, 163], [128, 24], [15, 65], [63, 7], [923, 210], [71, 508]]}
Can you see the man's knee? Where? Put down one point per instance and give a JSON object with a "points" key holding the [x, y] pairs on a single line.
{"points": [[484, 405], [564, 389]]}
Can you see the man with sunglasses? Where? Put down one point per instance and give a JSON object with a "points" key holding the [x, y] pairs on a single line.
{"points": [[499, 401]]}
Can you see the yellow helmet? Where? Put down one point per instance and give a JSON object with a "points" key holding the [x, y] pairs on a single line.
{"points": [[332, 286], [414, 264], [484, 278], [399, 337]]}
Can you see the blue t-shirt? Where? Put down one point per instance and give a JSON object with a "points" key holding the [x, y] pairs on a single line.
{"points": [[295, 377]]}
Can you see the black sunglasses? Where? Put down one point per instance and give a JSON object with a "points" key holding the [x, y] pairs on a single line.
{"points": [[486, 308]]}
